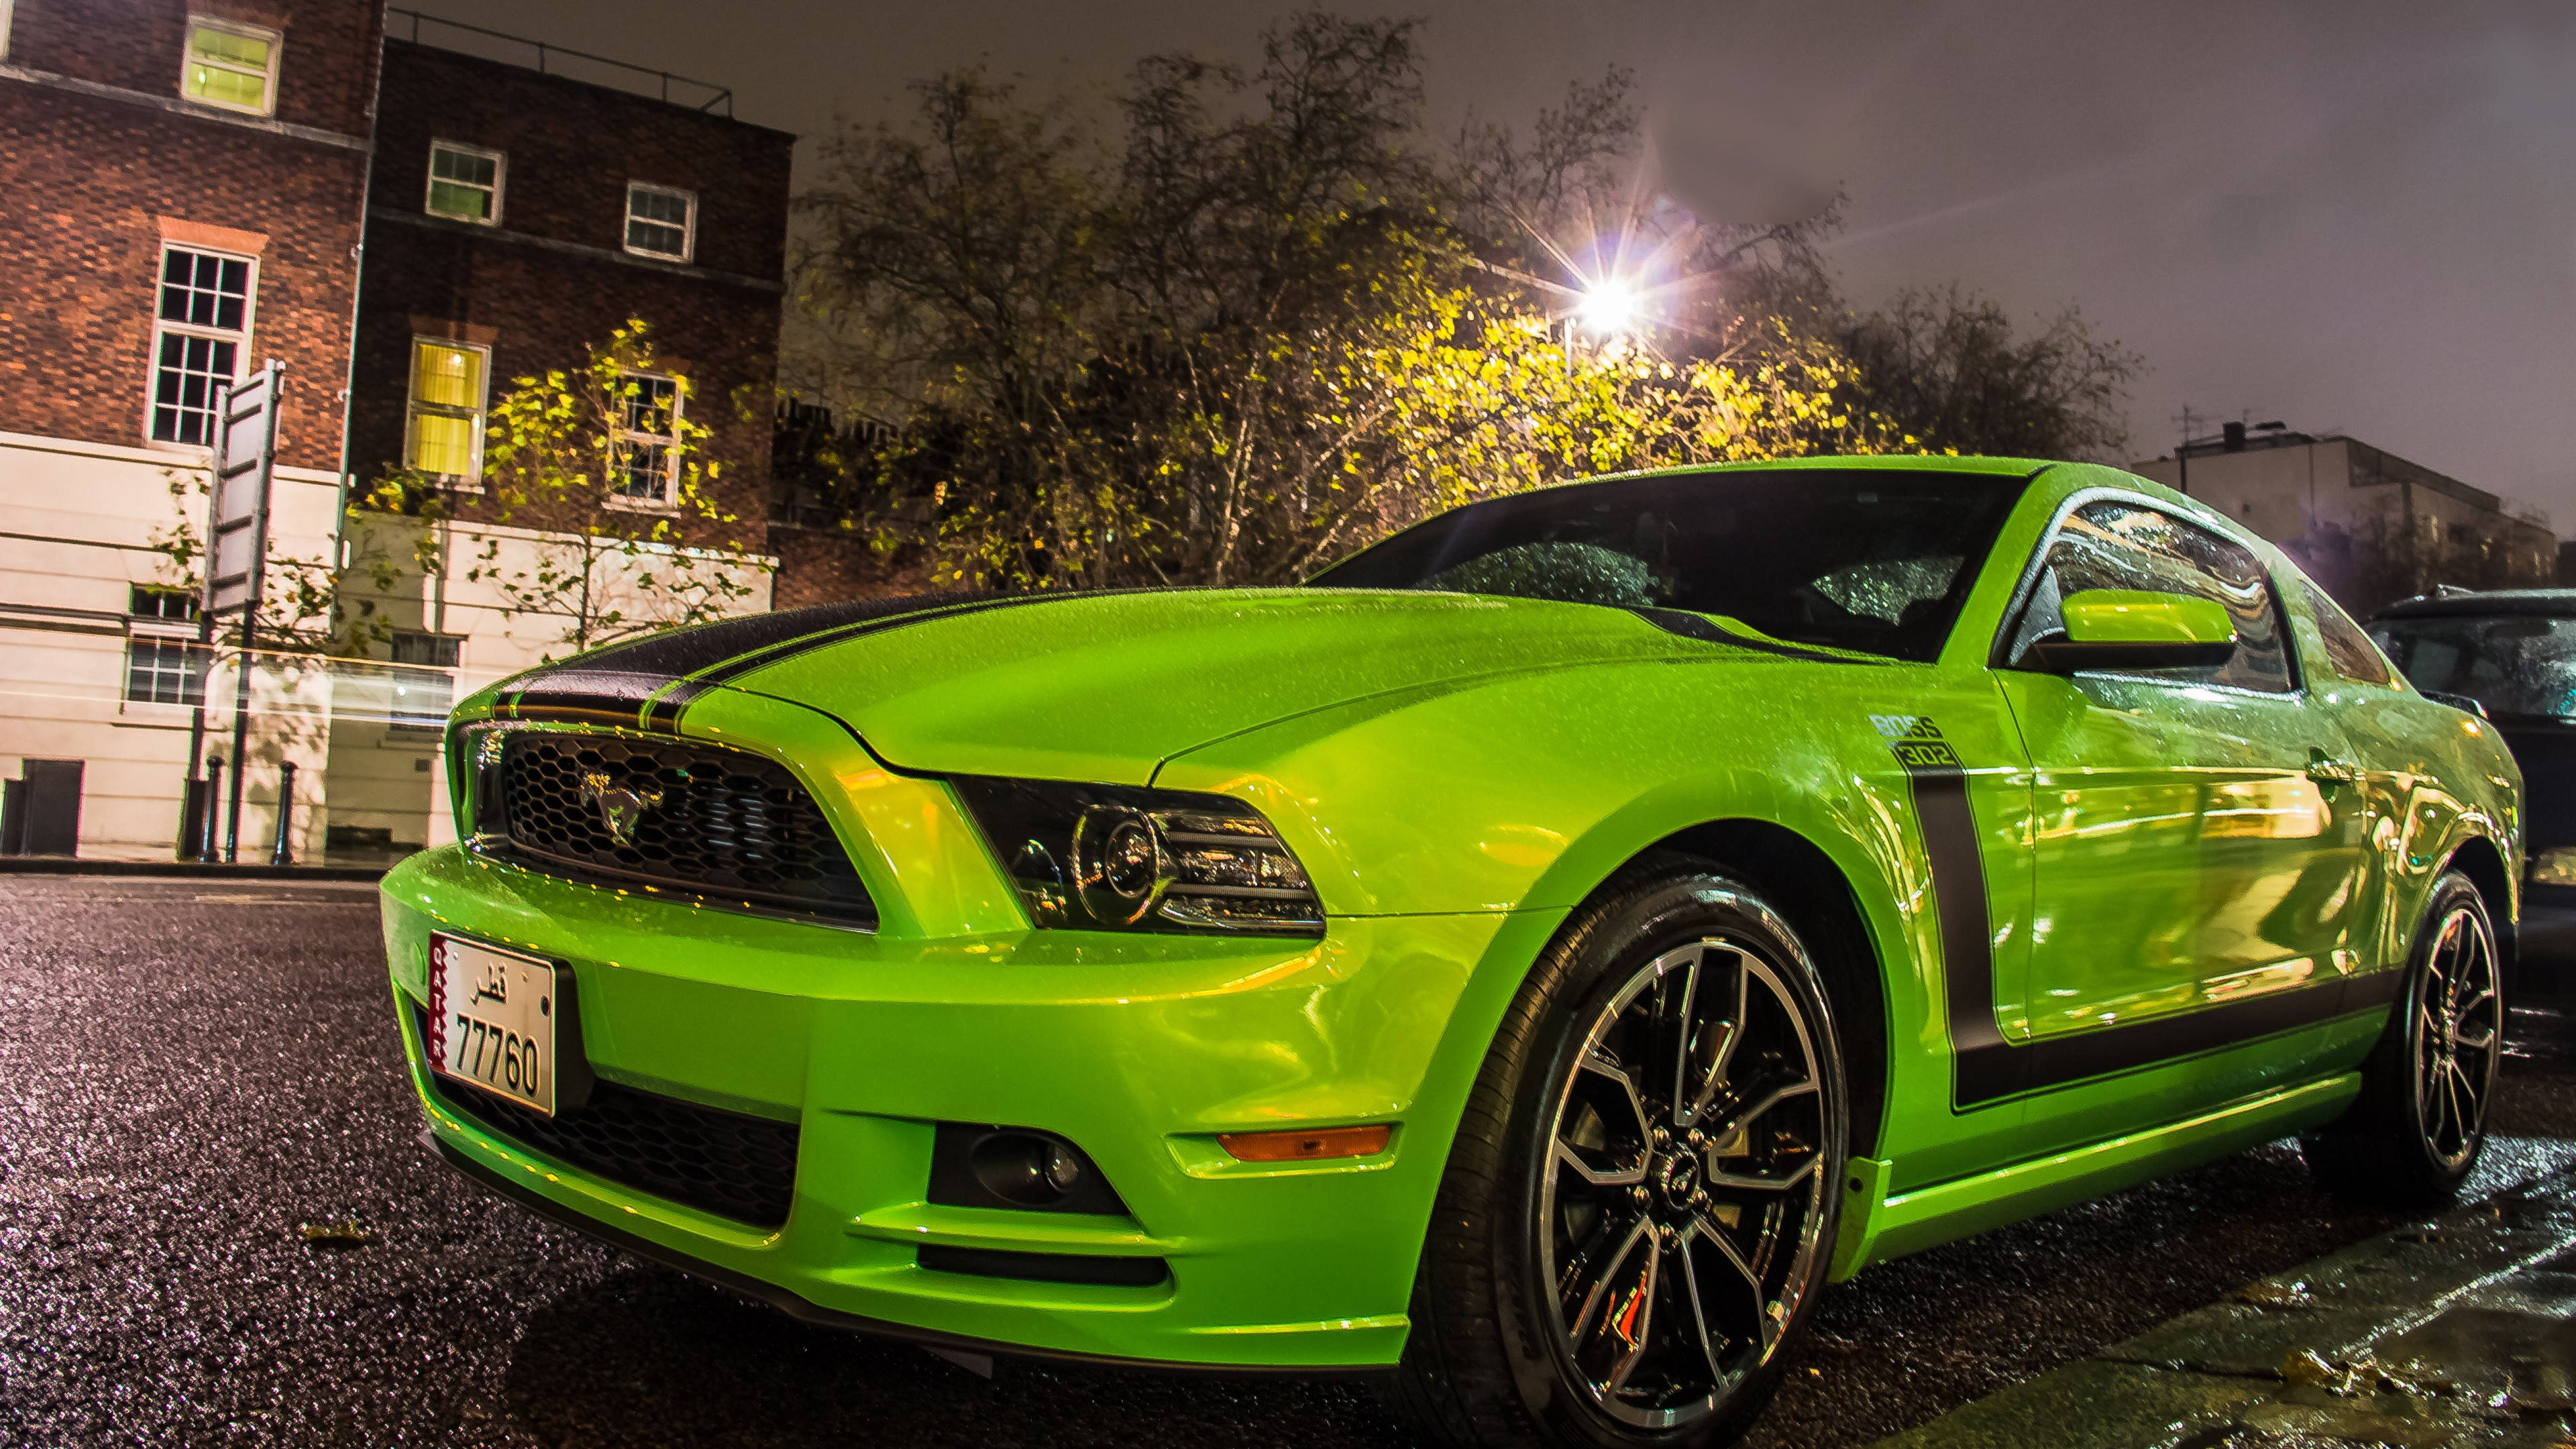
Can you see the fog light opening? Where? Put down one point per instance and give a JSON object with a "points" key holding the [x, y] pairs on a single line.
{"points": [[1026, 1168], [1308, 1145]]}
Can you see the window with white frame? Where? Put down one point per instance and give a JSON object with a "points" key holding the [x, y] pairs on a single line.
{"points": [[163, 664], [465, 182], [230, 65], [661, 221], [201, 325], [424, 686], [646, 439], [445, 435]]}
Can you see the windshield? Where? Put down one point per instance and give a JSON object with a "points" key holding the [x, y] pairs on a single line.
{"points": [[1868, 559], [2514, 664]]}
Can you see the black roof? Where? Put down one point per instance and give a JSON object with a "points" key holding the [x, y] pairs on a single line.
{"points": [[2547, 603]]}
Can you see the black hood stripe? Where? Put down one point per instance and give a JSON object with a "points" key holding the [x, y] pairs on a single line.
{"points": [[626, 684], [664, 711]]}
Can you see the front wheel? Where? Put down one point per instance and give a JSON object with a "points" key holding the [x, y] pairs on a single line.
{"points": [[2412, 1135], [1639, 1210]]}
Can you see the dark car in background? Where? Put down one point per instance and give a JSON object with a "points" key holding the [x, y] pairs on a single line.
{"points": [[2513, 653]]}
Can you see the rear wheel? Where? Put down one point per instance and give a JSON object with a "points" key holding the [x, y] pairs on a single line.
{"points": [[1639, 1210], [2411, 1137]]}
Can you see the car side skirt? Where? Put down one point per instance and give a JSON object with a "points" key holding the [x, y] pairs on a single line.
{"points": [[1877, 1227]]}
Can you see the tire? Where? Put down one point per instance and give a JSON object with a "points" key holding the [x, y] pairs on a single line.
{"points": [[2411, 1137], [1549, 1182]]}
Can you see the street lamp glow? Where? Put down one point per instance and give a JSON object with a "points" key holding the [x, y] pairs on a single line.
{"points": [[1609, 307]]}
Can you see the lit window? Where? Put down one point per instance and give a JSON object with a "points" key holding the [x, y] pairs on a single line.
{"points": [[424, 690], [647, 438], [200, 328], [446, 434], [464, 182], [229, 65], [661, 222]]}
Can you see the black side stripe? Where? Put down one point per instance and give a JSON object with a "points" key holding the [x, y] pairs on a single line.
{"points": [[1987, 1068]]}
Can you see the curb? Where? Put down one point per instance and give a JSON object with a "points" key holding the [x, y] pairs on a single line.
{"points": [[72, 865], [2436, 1333]]}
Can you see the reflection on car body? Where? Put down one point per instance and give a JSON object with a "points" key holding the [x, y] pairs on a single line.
{"points": [[1534, 957]]}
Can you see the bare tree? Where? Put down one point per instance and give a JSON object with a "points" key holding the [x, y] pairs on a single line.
{"points": [[1947, 372]]}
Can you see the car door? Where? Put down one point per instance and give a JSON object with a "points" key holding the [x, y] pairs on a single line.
{"points": [[2196, 843]]}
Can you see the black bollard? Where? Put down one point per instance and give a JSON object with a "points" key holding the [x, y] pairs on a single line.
{"points": [[281, 854], [213, 812]]}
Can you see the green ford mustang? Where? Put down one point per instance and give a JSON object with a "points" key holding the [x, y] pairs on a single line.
{"points": [[1529, 961]]}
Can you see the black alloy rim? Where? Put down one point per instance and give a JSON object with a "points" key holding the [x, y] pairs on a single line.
{"points": [[2456, 1034], [1683, 1201]]}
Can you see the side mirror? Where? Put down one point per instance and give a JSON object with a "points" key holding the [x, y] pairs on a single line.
{"points": [[2135, 629]]}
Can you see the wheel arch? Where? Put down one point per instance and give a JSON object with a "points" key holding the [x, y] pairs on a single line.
{"points": [[2479, 858], [1822, 903]]}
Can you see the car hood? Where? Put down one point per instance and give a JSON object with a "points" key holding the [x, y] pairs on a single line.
{"points": [[1101, 686]]}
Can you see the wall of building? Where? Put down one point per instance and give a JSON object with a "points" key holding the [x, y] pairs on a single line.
{"points": [[549, 278], [327, 57], [539, 286], [2276, 492], [537, 310], [826, 565], [106, 163], [81, 241], [389, 776], [80, 525], [2368, 525]]}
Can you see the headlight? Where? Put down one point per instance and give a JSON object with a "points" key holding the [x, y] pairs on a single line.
{"points": [[1118, 858], [2555, 867]]}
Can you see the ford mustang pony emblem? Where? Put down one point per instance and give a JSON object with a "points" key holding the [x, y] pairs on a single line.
{"points": [[619, 809]]}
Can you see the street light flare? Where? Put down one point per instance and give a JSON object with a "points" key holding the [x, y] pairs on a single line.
{"points": [[1609, 307]]}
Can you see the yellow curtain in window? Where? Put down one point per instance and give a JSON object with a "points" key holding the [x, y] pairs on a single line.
{"points": [[448, 377], [447, 408], [443, 444]]}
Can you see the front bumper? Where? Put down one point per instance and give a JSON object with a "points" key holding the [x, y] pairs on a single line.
{"points": [[1138, 1049]]}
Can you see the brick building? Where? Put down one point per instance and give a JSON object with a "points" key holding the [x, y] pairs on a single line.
{"points": [[188, 188], [181, 196], [517, 217]]}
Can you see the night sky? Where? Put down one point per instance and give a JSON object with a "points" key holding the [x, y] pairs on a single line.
{"points": [[2353, 217]]}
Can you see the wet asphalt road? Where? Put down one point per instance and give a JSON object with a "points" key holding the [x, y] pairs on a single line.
{"points": [[193, 1069]]}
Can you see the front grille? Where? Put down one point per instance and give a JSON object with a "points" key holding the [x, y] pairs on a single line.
{"points": [[722, 824], [726, 1163]]}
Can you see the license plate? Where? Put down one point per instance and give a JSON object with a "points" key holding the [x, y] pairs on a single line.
{"points": [[492, 1020]]}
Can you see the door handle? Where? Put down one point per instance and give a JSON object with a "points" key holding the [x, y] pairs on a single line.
{"points": [[2325, 769]]}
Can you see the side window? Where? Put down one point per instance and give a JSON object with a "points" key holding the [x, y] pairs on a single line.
{"points": [[2349, 652], [2114, 545]]}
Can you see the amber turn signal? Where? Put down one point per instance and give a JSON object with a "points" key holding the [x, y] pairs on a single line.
{"points": [[1306, 1146]]}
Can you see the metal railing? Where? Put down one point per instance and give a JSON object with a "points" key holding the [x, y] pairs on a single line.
{"points": [[549, 60]]}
